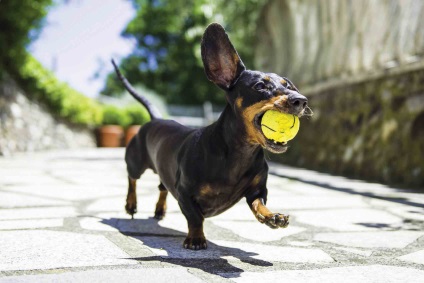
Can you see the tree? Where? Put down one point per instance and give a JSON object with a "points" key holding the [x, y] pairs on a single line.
{"points": [[20, 22], [167, 55], [168, 38]]}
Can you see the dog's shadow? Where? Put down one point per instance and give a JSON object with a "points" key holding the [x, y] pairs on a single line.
{"points": [[166, 245]]}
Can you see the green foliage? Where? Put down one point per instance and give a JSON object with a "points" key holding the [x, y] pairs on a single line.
{"points": [[63, 100], [19, 22], [168, 34], [130, 115], [164, 59], [137, 115], [71, 105], [113, 115], [240, 18]]}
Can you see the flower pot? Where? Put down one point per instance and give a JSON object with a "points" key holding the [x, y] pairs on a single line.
{"points": [[110, 136], [130, 133]]}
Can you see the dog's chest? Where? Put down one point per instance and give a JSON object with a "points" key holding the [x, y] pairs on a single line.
{"points": [[214, 199]]}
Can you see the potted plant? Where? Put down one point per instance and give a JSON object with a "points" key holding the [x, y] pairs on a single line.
{"points": [[111, 132], [137, 116]]}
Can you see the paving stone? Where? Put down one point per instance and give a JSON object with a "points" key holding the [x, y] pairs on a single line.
{"points": [[172, 248], [382, 239], [115, 203], [88, 171], [12, 200], [408, 212], [40, 212], [361, 219], [145, 203], [353, 274], [28, 250], [300, 188], [173, 224], [253, 230], [240, 211], [277, 182], [300, 244], [69, 192], [99, 224], [40, 197], [278, 253], [415, 257], [354, 251], [145, 275], [298, 202], [13, 180], [30, 224]]}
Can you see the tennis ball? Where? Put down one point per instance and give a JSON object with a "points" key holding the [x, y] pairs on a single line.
{"points": [[278, 126]]}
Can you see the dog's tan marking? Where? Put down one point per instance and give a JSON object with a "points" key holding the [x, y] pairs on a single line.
{"points": [[283, 81], [267, 78], [236, 58], [282, 103], [260, 211], [239, 102], [162, 199], [161, 205], [256, 180], [253, 134], [264, 215], [206, 190]]}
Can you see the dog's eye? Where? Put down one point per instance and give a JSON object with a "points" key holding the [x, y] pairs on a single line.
{"points": [[260, 86], [285, 82]]}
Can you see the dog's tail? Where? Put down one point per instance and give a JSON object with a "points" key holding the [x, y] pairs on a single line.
{"points": [[153, 111]]}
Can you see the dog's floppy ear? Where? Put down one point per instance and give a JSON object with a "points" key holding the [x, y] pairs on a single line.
{"points": [[222, 63]]}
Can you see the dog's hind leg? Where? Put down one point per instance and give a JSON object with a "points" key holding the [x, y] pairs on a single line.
{"points": [[161, 204], [136, 165]]}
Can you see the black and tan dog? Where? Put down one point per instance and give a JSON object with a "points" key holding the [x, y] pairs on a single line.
{"points": [[208, 170]]}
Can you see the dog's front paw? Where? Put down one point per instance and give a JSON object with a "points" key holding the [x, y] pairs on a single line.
{"points": [[274, 221], [195, 243]]}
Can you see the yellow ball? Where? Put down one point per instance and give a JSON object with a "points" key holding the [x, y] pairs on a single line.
{"points": [[278, 126]]}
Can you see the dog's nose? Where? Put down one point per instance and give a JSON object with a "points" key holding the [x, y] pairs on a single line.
{"points": [[297, 101]]}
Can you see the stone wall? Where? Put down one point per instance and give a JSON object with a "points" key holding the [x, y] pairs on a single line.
{"points": [[361, 64], [26, 125], [369, 129], [312, 41]]}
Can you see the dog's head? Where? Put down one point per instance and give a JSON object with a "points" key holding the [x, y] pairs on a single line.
{"points": [[250, 93]]}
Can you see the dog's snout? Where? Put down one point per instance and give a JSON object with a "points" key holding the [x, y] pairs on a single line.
{"points": [[297, 100]]}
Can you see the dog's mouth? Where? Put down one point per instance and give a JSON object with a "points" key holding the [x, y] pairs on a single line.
{"points": [[271, 145]]}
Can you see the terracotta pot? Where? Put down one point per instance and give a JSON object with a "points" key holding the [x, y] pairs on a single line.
{"points": [[110, 136], [130, 133]]}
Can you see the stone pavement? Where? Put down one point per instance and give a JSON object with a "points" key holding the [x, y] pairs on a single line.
{"points": [[62, 219]]}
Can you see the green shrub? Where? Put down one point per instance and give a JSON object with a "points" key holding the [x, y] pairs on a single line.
{"points": [[20, 23], [60, 98], [65, 102], [113, 115], [137, 114]]}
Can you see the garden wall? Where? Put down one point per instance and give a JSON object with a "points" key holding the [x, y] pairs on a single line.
{"points": [[26, 125], [312, 41], [369, 129], [361, 64]]}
